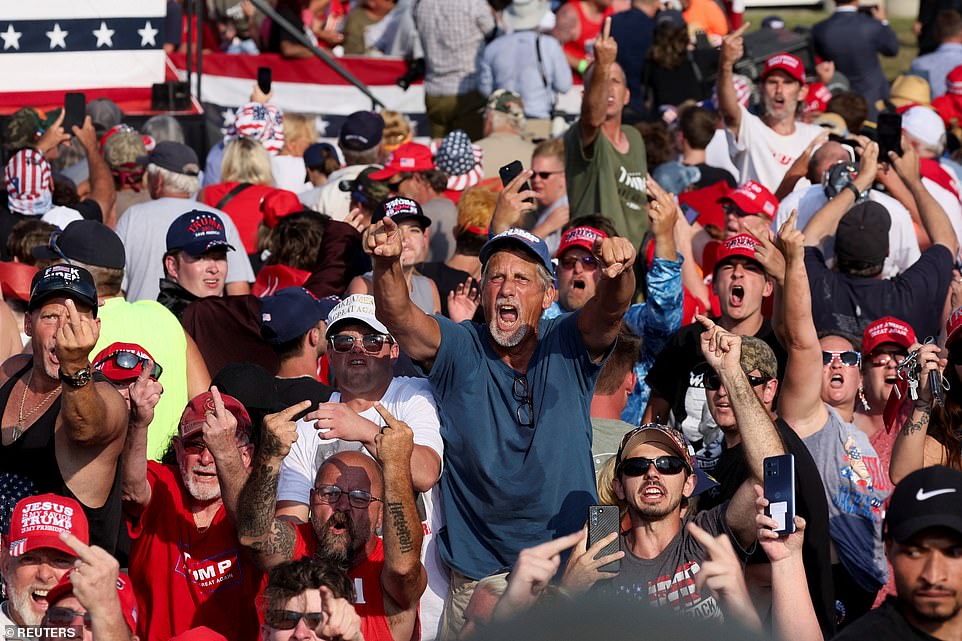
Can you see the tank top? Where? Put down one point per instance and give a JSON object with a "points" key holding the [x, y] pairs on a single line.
{"points": [[32, 460], [421, 294], [589, 31]]}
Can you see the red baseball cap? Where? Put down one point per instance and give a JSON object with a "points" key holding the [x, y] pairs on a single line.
{"points": [[410, 156], [125, 590], [887, 329], [195, 414], [816, 100], [792, 65], [583, 237], [740, 245], [38, 521], [753, 198], [109, 368], [953, 81], [953, 326], [705, 202], [200, 633]]}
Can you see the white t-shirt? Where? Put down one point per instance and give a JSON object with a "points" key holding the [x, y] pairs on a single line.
{"points": [[762, 155], [290, 173], [948, 201], [903, 243], [412, 401], [331, 200]]}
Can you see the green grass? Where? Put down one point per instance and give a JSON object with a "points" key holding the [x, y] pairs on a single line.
{"points": [[795, 17]]}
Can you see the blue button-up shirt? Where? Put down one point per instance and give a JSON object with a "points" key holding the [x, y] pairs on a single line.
{"points": [[937, 65]]}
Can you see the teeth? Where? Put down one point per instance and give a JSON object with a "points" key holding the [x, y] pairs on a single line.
{"points": [[41, 592]]}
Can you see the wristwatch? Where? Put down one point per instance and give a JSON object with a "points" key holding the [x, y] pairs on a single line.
{"points": [[77, 380]]}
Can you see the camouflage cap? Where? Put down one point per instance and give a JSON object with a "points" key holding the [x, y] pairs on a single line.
{"points": [[507, 102], [26, 125], [756, 354], [124, 148]]}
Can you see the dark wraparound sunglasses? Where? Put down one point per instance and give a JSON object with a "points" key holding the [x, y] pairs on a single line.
{"points": [[712, 381], [288, 619], [638, 465], [129, 360]]}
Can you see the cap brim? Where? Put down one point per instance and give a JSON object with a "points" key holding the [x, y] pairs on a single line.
{"points": [[910, 527], [420, 218], [497, 244], [43, 252], [199, 249], [384, 174], [46, 541]]}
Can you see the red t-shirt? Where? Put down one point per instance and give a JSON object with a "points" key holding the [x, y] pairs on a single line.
{"points": [[367, 585], [185, 577], [244, 208]]}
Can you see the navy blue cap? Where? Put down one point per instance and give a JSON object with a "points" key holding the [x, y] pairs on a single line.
{"points": [[314, 155], [197, 232], [172, 156], [521, 239], [70, 281], [361, 130], [670, 16], [291, 313], [399, 209]]}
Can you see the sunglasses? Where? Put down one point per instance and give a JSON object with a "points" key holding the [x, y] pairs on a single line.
{"points": [[731, 208], [712, 381], [371, 343], [881, 359], [545, 175], [522, 394], [638, 465], [129, 360], [61, 617], [848, 358], [288, 619], [331, 494], [589, 263], [197, 445]]}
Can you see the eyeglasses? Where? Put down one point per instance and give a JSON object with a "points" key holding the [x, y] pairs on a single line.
{"points": [[331, 494], [288, 619], [589, 263], [522, 394], [129, 360], [197, 445], [848, 358], [638, 465], [712, 381], [545, 175], [61, 617], [881, 359], [371, 343], [732, 208]]}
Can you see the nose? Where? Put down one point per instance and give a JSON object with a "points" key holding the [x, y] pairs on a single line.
{"points": [[934, 572], [45, 574], [302, 630], [205, 457], [212, 267]]}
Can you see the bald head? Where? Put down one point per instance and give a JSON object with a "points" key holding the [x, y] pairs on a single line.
{"points": [[616, 71], [824, 157], [351, 471]]}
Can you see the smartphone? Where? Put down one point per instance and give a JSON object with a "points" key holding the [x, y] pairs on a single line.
{"points": [[510, 171], [264, 79], [779, 481], [602, 521], [889, 127], [75, 110]]}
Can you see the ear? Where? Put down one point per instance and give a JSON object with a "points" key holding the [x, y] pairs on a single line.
{"points": [[28, 323], [395, 350], [630, 380], [314, 337], [170, 266], [627, 96], [618, 488], [550, 295], [771, 388], [803, 92], [690, 483], [769, 288]]}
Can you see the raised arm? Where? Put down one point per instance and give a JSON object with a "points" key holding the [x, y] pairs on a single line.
{"points": [[823, 224], [600, 319], [912, 443], [722, 350], [220, 436], [934, 218], [102, 187], [800, 401], [403, 576], [594, 106], [144, 393], [270, 540], [732, 49], [94, 582], [418, 334]]}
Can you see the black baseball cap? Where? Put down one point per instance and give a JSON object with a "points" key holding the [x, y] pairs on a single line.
{"points": [[929, 497], [173, 156], [86, 241], [362, 130], [196, 232], [863, 233], [400, 209], [63, 280]]}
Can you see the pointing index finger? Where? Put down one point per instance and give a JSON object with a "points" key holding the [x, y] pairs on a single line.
{"points": [[737, 33], [386, 415], [327, 600], [289, 413]]}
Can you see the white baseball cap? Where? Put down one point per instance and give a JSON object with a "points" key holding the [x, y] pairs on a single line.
{"points": [[358, 307], [924, 125]]}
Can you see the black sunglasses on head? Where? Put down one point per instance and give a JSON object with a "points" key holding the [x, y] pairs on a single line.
{"points": [[638, 465], [712, 381]]}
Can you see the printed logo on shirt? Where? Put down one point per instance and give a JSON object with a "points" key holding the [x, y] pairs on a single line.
{"points": [[631, 188], [212, 573], [858, 496], [677, 591]]}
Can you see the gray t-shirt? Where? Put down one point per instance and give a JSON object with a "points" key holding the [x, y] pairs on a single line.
{"points": [[606, 436], [444, 216], [855, 489], [668, 580], [143, 229]]}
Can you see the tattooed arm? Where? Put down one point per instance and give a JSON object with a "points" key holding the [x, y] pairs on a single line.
{"points": [[914, 448], [270, 540], [403, 576]]}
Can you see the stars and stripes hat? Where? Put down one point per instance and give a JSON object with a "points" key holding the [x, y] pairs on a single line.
{"points": [[29, 183], [38, 521], [460, 160], [264, 123]]}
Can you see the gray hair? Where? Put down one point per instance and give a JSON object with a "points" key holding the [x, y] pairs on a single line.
{"points": [[164, 128], [365, 157], [174, 182]]}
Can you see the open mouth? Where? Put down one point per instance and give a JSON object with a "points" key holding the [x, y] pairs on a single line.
{"points": [[737, 295], [39, 596], [357, 362], [653, 492], [212, 283], [891, 380], [508, 314], [836, 381], [578, 284]]}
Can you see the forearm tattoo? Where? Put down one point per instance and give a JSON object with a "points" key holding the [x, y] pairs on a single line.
{"points": [[256, 520], [404, 536], [911, 427]]}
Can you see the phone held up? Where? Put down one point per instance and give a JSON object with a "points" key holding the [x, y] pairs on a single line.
{"points": [[779, 481], [75, 110], [602, 521]]}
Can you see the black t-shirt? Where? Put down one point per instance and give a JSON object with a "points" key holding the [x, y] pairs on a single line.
{"points": [[673, 86], [711, 175], [731, 471], [278, 35], [291, 391], [849, 304], [447, 280], [677, 377], [884, 623]]}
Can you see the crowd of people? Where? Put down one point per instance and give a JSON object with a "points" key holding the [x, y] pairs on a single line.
{"points": [[373, 389]]}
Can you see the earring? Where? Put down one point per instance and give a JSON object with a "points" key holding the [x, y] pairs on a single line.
{"points": [[864, 401]]}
